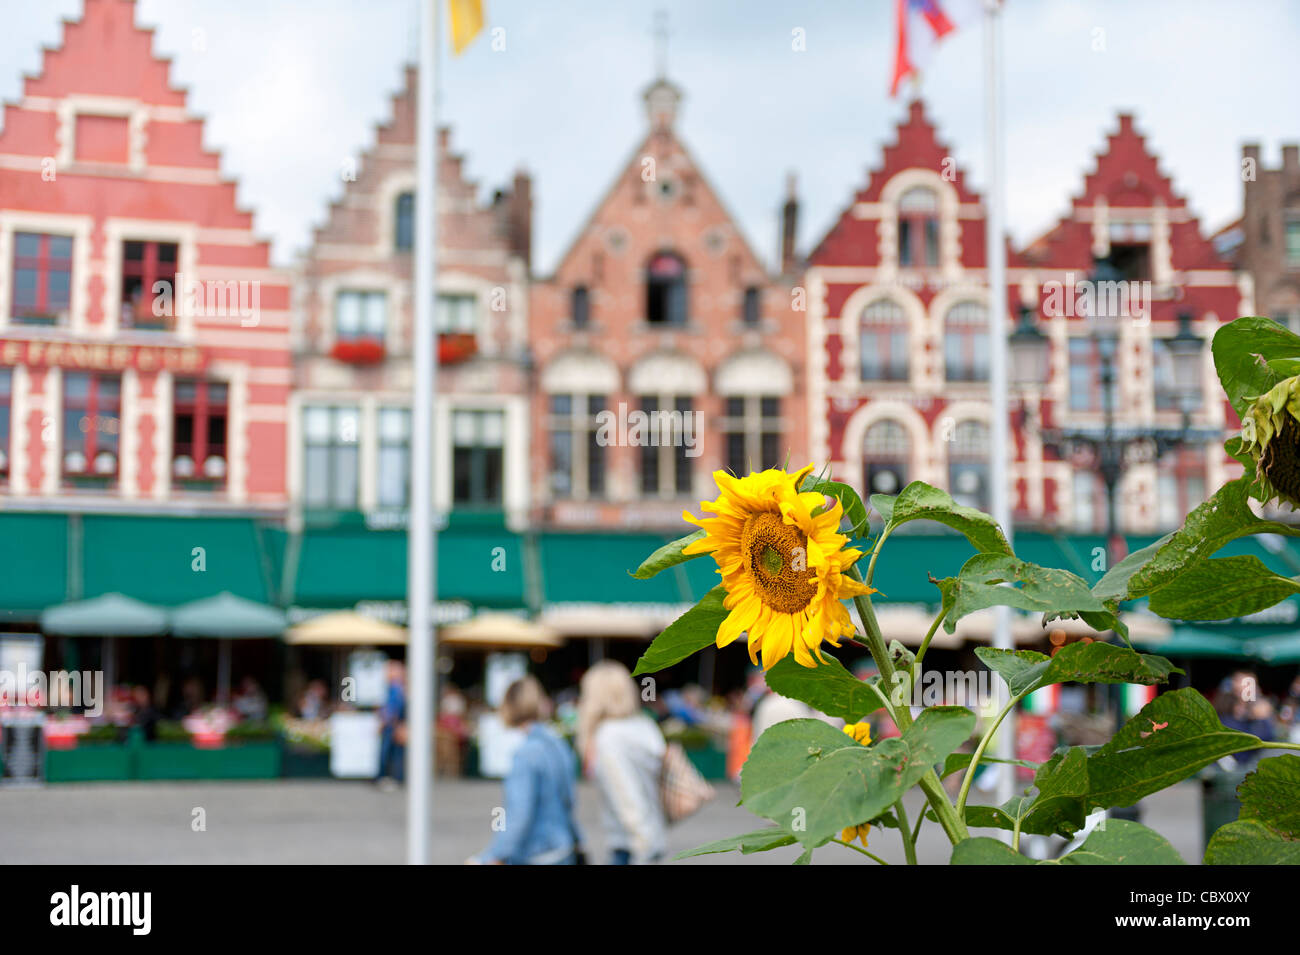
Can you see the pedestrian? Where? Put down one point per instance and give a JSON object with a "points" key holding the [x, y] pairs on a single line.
{"points": [[624, 751], [392, 739], [538, 825]]}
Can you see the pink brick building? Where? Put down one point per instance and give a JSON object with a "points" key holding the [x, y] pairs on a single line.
{"points": [[144, 347]]}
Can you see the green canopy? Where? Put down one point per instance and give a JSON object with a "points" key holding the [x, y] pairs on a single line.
{"points": [[226, 616], [1192, 642], [109, 615], [1276, 651]]}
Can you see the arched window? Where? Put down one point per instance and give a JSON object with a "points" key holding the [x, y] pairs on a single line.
{"points": [[886, 452], [968, 464], [665, 284], [918, 228], [581, 306], [966, 342], [404, 222], [882, 342]]}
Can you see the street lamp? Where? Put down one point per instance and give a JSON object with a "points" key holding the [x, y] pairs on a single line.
{"points": [[1029, 351], [1185, 352]]}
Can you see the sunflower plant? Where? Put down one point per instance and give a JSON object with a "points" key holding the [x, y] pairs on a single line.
{"points": [[794, 549]]}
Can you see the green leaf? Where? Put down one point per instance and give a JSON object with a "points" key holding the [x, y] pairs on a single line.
{"points": [[692, 631], [1078, 662], [854, 510], [1171, 738], [1113, 586], [1250, 842], [1046, 590], [828, 688], [805, 773], [936, 732], [1271, 795], [805, 858], [983, 850], [670, 555], [1056, 808], [921, 501], [760, 840], [1222, 587], [1242, 350], [1123, 842], [1223, 518]]}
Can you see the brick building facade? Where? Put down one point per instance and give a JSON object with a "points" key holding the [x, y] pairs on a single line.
{"points": [[350, 414], [144, 349], [1267, 244], [898, 335], [661, 307]]}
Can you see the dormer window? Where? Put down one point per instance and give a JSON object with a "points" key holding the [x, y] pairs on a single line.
{"points": [[918, 228], [404, 222], [666, 290]]}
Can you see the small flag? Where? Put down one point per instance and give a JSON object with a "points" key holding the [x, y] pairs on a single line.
{"points": [[920, 25], [466, 23]]}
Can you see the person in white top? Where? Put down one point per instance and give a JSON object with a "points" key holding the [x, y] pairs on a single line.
{"points": [[623, 750]]}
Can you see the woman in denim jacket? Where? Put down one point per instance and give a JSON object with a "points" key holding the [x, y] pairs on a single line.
{"points": [[538, 827]]}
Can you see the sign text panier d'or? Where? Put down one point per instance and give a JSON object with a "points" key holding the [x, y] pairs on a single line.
{"points": [[101, 356]]}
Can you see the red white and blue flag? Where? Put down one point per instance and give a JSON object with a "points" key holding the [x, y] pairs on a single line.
{"points": [[921, 25]]}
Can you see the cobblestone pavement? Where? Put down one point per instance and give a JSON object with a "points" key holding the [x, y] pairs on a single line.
{"points": [[327, 821]]}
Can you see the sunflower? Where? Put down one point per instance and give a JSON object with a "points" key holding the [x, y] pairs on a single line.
{"points": [[783, 565], [861, 732], [1270, 433]]}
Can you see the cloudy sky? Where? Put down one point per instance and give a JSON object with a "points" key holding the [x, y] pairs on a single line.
{"points": [[292, 88]]}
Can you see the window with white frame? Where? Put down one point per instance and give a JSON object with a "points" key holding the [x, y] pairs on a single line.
{"points": [[968, 464], [456, 314], [360, 315], [918, 228], [966, 342], [665, 468], [886, 454], [577, 457], [1180, 485], [330, 460], [393, 482], [751, 430], [42, 279], [882, 342], [478, 458]]}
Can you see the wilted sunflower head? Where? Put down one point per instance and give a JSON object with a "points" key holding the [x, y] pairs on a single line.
{"points": [[1270, 433], [783, 565]]}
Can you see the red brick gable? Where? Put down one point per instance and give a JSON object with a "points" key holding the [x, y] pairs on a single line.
{"points": [[854, 241], [1127, 175], [106, 54]]}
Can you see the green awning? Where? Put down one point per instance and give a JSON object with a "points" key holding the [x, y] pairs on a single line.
{"points": [[584, 567], [1193, 642], [109, 615], [340, 566], [172, 560], [1276, 651], [226, 616], [36, 575]]}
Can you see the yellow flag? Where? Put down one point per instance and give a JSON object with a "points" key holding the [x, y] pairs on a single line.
{"points": [[466, 23]]}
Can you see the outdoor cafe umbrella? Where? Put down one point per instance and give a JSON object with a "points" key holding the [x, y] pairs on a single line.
{"points": [[226, 617], [109, 616], [500, 631], [345, 628]]}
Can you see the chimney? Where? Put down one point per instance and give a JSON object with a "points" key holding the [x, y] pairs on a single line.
{"points": [[520, 212], [789, 226], [1290, 164]]}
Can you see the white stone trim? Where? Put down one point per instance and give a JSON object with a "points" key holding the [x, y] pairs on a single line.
{"points": [[855, 432], [118, 231]]}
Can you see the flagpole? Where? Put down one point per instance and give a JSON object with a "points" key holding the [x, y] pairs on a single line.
{"points": [[997, 271], [421, 584]]}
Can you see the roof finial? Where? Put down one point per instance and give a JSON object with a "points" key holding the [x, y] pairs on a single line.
{"points": [[661, 44]]}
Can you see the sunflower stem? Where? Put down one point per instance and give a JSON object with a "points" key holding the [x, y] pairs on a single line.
{"points": [[849, 845], [930, 785], [904, 830]]}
